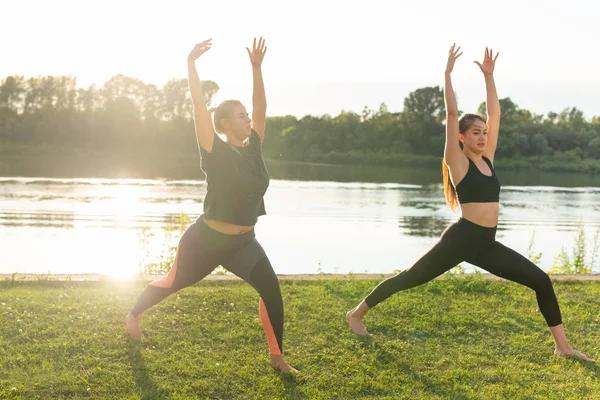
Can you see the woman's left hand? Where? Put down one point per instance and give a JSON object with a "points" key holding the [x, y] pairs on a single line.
{"points": [[258, 52], [489, 61]]}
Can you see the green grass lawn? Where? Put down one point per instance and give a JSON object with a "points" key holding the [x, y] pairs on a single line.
{"points": [[450, 339]]}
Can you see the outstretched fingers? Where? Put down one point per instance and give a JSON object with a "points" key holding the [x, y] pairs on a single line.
{"points": [[261, 45], [454, 51], [200, 48], [489, 54]]}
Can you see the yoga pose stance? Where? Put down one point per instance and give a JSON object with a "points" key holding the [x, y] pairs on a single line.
{"points": [[471, 185], [237, 180]]}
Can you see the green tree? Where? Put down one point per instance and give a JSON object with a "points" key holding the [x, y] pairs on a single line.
{"points": [[424, 111]]}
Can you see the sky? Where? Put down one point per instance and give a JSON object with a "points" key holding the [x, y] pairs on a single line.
{"points": [[323, 56]]}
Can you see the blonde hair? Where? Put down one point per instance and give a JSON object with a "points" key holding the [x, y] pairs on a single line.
{"points": [[223, 112]]}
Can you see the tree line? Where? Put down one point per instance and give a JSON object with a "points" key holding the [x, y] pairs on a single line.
{"points": [[128, 116]]}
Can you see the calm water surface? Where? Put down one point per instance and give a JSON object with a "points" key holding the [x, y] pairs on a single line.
{"points": [[373, 220]]}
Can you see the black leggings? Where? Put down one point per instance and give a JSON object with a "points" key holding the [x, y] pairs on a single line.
{"points": [[466, 241], [201, 249]]}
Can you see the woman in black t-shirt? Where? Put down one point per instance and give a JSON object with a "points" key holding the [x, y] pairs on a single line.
{"points": [[237, 180]]}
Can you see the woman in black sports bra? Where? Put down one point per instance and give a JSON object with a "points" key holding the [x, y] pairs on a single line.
{"points": [[471, 185]]}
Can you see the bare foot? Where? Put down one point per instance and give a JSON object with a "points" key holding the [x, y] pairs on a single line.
{"points": [[573, 353], [133, 325], [356, 324], [278, 363]]}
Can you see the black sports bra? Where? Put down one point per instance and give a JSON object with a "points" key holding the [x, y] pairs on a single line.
{"points": [[476, 187]]}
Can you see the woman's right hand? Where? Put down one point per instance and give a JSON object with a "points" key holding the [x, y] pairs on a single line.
{"points": [[199, 49], [453, 54]]}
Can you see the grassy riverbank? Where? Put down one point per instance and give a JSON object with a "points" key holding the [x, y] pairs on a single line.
{"points": [[457, 338]]}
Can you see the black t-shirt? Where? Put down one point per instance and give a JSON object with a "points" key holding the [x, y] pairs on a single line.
{"points": [[237, 179]]}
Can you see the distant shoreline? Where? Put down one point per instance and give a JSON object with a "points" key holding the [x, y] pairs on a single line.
{"points": [[187, 167]]}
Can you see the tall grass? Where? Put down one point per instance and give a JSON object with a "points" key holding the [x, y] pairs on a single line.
{"points": [[581, 259]]}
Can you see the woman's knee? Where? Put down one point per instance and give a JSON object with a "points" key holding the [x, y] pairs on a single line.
{"points": [[263, 271], [264, 279], [543, 283]]}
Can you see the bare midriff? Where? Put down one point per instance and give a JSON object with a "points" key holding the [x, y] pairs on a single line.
{"points": [[228, 228], [484, 214]]}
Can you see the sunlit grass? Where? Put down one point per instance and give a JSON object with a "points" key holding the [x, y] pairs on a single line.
{"points": [[454, 339]]}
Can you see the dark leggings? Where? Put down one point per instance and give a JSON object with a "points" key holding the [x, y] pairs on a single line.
{"points": [[466, 241], [201, 249]]}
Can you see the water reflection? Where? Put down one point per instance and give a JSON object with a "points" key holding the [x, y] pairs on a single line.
{"points": [[423, 226], [37, 219], [419, 205], [332, 226]]}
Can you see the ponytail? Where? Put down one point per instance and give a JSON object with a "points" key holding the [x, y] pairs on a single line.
{"points": [[449, 190]]}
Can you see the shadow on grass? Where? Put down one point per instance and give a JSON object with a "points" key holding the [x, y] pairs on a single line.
{"points": [[591, 366], [291, 383], [143, 378], [442, 389]]}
